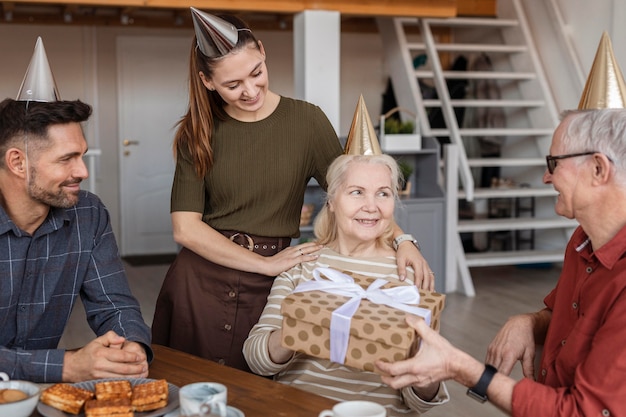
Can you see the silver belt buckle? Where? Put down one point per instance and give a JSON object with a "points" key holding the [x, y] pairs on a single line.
{"points": [[248, 238]]}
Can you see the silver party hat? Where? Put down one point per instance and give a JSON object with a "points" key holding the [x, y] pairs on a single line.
{"points": [[38, 83], [362, 138], [215, 36]]}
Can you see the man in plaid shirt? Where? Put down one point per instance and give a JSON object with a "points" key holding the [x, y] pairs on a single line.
{"points": [[56, 243]]}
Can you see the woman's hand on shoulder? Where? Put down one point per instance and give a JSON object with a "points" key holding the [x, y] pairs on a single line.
{"points": [[290, 257], [408, 255]]}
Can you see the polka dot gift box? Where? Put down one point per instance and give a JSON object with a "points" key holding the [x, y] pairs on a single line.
{"points": [[373, 328]]}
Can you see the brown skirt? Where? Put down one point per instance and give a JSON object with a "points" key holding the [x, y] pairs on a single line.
{"points": [[208, 310]]}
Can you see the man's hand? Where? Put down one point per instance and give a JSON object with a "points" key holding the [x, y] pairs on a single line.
{"points": [[515, 341], [437, 360], [108, 356], [429, 366]]}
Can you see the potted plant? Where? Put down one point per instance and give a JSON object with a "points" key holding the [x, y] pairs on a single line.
{"points": [[406, 170], [395, 126], [399, 135]]}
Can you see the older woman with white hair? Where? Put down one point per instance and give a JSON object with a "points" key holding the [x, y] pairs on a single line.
{"points": [[355, 226]]}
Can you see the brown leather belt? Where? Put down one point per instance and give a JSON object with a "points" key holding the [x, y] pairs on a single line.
{"points": [[265, 246]]}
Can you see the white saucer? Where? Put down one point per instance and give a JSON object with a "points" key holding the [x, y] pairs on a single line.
{"points": [[230, 412]]}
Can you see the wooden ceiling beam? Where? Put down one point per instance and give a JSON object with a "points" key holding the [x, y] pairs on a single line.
{"points": [[356, 15], [431, 8]]}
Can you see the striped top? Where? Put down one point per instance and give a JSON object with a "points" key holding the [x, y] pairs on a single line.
{"points": [[321, 376]]}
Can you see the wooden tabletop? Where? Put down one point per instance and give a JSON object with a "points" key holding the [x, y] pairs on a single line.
{"points": [[252, 394], [255, 396]]}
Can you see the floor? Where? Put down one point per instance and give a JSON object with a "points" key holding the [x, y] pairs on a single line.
{"points": [[469, 323]]}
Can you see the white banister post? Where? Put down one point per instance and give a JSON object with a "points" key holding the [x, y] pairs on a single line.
{"points": [[317, 41], [91, 156]]}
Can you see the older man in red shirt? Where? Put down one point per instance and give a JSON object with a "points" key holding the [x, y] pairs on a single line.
{"points": [[583, 327]]}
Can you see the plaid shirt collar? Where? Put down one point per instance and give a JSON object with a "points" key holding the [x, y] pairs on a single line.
{"points": [[55, 219]]}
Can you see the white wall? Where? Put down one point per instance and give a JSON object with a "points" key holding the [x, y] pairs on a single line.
{"points": [[584, 23]]}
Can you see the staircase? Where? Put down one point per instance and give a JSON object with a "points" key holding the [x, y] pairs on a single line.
{"points": [[513, 108]]}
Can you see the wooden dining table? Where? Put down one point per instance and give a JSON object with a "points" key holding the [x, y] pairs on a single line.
{"points": [[254, 395]]}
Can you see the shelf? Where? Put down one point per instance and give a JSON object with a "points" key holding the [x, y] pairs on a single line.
{"points": [[429, 146], [513, 257]]}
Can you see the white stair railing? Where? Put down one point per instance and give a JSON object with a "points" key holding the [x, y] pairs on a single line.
{"points": [[563, 31], [455, 265], [91, 156], [448, 111]]}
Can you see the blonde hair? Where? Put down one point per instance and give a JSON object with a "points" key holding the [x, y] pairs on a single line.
{"points": [[325, 226]]}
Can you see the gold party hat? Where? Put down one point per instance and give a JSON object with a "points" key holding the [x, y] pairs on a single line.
{"points": [[38, 83], [215, 36], [362, 138], [605, 87]]}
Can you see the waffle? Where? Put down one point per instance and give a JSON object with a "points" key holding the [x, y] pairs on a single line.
{"points": [[113, 407], [108, 390], [66, 397], [150, 396]]}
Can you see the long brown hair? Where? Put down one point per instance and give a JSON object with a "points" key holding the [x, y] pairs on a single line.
{"points": [[195, 128]]}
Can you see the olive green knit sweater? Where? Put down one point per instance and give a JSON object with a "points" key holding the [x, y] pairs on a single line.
{"points": [[260, 172]]}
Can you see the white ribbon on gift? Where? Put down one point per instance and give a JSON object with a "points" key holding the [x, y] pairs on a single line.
{"points": [[342, 284]]}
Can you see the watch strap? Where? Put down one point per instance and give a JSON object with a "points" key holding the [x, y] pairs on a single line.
{"points": [[403, 238], [479, 391]]}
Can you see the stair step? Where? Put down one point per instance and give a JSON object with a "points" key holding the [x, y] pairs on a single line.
{"points": [[471, 47], [479, 75], [481, 193], [494, 132], [507, 132], [514, 223], [486, 103], [506, 162], [407, 21], [513, 257], [470, 21]]}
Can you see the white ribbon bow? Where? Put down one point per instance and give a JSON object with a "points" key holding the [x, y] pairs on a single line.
{"points": [[342, 284]]}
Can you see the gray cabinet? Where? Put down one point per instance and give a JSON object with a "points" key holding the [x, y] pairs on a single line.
{"points": [[424, 219]]}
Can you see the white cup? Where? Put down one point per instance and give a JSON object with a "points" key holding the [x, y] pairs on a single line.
{"points": [[355, 409], [203, 399]]}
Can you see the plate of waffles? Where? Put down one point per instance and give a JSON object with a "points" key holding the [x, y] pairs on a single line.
{"points": [[115, 397]]}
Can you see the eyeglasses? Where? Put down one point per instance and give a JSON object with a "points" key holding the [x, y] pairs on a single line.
{"points": [[551, 161]]}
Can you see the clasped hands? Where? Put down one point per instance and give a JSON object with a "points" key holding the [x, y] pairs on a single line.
{"points": [[108, 356]]}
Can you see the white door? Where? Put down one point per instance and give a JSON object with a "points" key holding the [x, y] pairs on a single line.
{"points": [[152, 96]]}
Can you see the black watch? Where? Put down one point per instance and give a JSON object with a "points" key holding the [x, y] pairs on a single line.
{"points": [[479, 391]]}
